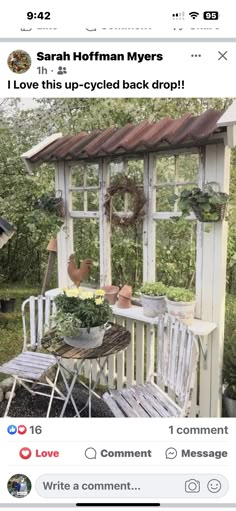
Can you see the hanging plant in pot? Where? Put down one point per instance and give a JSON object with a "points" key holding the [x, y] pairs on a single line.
{"points": [[180, 303], [229, 379], [208, 204], [153, 298], [82, 317], [51, 204]]}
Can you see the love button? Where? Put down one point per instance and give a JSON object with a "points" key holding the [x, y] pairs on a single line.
{"points": [[25, 453], [46, 454]]}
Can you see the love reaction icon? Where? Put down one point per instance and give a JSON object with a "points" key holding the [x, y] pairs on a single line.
{"points": [[22, 429], [25, 453]]}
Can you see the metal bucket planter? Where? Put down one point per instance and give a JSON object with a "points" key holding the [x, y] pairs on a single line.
{"points": [[184, 311], [229, 403], [153, 305], [88, 338]]}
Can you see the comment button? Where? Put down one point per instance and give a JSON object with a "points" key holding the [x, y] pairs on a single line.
{"points": [[135, 486]]}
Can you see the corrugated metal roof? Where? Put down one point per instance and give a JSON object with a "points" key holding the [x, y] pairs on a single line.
{"points": [[132, 139]]}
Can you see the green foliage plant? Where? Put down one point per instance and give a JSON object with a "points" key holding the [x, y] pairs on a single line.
{"points": [[153, 289], [67, 323], [204, 203], [229, 368], [77, 309], [179, 294], [6, 294]]}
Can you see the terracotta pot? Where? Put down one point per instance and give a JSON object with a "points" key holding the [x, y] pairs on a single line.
{"points": [[52, 245], [124, 299], [111, 293]]}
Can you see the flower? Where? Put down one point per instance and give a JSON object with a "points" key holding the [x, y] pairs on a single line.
{"points": [[72, 293], [99, 292], [86, 295], [99, 300]]}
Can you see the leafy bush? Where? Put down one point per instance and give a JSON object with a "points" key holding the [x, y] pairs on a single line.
{"points": [[179, 294], [77, 309], [153, 289]]}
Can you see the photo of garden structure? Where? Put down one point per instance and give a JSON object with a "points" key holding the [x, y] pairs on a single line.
{"points": [[117, 258]]}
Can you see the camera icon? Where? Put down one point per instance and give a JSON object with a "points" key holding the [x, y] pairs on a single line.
{"points": [[192, 486]]}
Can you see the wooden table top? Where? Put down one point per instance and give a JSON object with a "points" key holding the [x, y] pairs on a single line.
{"points": [[116, 339]]}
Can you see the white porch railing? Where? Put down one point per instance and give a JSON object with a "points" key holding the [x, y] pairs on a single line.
{"points": [[138, 363]]}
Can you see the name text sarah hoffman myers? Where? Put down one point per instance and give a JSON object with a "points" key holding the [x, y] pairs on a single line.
{"points": [[97, 56]]}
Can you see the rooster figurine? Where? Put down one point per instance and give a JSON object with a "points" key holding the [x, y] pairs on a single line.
{"points": [[77, 275]]}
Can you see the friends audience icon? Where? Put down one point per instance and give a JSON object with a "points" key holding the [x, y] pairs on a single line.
{"points": [[62, 70], [19, 61], [19, 486]]}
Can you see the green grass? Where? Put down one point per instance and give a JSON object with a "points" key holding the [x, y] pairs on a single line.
{"points": [[18, 292]]}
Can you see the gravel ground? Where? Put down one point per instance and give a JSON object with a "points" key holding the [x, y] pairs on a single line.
{"points": [[26, 405]]}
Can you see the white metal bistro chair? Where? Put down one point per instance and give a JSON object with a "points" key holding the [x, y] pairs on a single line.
{"points": [[31, 366], [177, 356]]}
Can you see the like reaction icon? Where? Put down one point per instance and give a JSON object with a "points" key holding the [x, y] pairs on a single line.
{"points": [[12, 429], [25, 453]]}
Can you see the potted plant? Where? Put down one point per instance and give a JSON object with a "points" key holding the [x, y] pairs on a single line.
{"points": [[7, 301], [229, 379], [180, 303], [82, 317], [153, 298], [208, 205]]}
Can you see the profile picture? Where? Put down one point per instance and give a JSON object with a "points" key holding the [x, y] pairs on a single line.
{"points": [[19, 61], [19, 486]]}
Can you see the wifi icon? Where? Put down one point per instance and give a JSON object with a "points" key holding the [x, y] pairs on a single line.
{"points": [[194, 15]]}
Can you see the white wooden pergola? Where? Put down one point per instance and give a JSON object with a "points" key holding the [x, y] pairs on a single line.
{"points": [[210, 136]]}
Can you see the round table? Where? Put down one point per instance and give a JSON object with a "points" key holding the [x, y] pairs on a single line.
{"points": [[116, 339]]}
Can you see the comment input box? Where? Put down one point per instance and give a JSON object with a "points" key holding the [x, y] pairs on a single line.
{"points": [[135, 486]]}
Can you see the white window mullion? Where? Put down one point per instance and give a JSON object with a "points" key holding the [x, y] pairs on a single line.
{"points": [[65, 236], [149, 224], [104, 226]]}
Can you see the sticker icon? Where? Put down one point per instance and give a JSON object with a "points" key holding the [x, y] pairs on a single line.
{"points": [[214, 485], [22, 429], [12, 429], [25, 453]]}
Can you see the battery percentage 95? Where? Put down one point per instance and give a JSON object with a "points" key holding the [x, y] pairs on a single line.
{"points": [[211, 15]]}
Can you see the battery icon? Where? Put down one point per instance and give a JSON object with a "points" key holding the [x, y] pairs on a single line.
{"points": [[211, 15]]}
